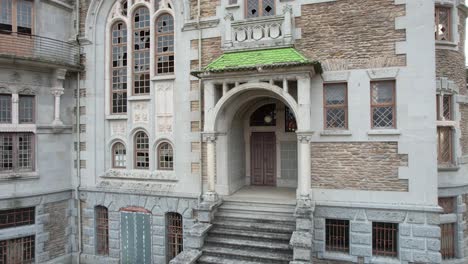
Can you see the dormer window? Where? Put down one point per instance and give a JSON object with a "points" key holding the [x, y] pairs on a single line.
{"points": [[258, 8]]}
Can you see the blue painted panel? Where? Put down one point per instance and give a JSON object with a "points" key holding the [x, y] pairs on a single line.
{"points": [[136, 238]]}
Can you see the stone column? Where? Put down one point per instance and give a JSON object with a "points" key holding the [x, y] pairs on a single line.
{"points": [[287, 26], [304, 165], [210, 139], [57, 90], [228, 30]]}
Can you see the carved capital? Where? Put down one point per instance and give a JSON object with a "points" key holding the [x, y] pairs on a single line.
{"points": [[57, 91], [210, 137], [304, 137], [60, 74]]}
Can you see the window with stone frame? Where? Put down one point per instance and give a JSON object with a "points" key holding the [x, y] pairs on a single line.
{"points": [[337, 235], [5, 108], [385, 239], [258, 8], [165, 44], [119, 156], [16, 152], [335, 105], [165, 156], [102, 230], [141, 51], [383, 104], [443, 20], [26, 109], [445, 155], [175, 235], [141, 151], [16, 16], [444, 113], [119, 69], [18, 250]]}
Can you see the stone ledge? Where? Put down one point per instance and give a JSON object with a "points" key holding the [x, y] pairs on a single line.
{"points": [[187, 257]]}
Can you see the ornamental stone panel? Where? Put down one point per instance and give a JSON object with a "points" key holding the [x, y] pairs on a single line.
{"points": [[337, 31], [371, 166]]}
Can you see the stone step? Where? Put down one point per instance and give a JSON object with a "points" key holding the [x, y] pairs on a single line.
{"points": [[246, 254], [250, 234], [259, 207], [223, 260], [230, 223], [257, 216], [270, 246]]}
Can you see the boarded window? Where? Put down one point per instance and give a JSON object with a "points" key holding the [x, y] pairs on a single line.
{"points": [[443, 22], [447, 241], [136, 237], [337, 235], [336, 106], [175, 232], [383, 99], [384, 239], [17, 251], [102, 230], [17, 217]]}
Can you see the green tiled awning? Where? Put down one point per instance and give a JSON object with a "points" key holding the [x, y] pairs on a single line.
{"points": [[253, 59]]}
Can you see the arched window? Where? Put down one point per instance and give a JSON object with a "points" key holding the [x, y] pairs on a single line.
{"points": [[102, 230], [175, 238], [257, 8], [119, 68], [141, 51], [119, 154], [165, 156], [264, 116], [165, 44], [141, 151]]}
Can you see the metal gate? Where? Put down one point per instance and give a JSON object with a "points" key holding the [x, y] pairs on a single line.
{"points": [[136, 237]]}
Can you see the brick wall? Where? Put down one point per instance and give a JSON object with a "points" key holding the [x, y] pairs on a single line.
{"points": [[339, 30], [208, 8], [211, 50], [358, 166], [464, 128], [56, 227]]}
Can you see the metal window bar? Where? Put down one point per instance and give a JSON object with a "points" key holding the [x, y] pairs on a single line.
{"points": [[18, 250], [17, 217], [383, 101], [335, 97], [102, 230], [337, 235], [384, 239], [175, 239], [447, 241]]}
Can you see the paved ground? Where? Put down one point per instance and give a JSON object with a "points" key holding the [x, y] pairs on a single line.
{"points": [[264, 194]]}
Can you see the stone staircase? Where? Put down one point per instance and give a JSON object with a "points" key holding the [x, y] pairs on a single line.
{"points": [[250, 232]]}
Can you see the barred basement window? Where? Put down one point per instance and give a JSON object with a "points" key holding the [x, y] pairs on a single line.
{"points": [[17, 217], [18, 250], [383, 110], [336, 106], [102, 230], [165, 157], [5, 108], [141, 52], [175, 239], [384, 239], [141, 151], [16, 152], [444, 113], [337, 235], [119, 68], [26, 109], [443, 22], [445, 145], [447, 241], [165, 44], [119, 155], [256, 8]]}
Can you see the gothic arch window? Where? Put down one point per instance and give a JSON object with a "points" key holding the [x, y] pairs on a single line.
{"points": [[165, 44], [165, 156], [141, 51], [258, 8], [119, 68], [119, 155], [141, 150]]}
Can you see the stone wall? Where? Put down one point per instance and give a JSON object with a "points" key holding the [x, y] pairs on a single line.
{"points": [[208, 8], [464, 128], [84, 5], [56, 227], [338, 32], [211, 50], [465, 220], [358, 166]]}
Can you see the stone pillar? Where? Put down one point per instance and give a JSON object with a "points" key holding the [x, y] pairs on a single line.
{"points": [[304, 165], [57, 91], [287, 25], [228, 30], [210, 139]]}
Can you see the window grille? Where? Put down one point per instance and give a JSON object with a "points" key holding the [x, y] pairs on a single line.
{"points": [[337, 235], [26, 109], [383, 104], [443, 23], [446, 113], [165, 44], [447, 241], [384, 239], [16, 152], [141, 51], [256, 8], [119, 68], [17, 251], [336, 106], [448, 204], [141, 151], [119, 155], [17, 217], [290, 120], [5, 108], [166, 157], [445, 147], [102, 230], [174, 235]]}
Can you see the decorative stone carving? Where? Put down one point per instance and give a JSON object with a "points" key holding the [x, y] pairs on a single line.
{"points": [[140, 112], [27, 91], [57, 91], [141, 175], [164, 106], [384, 73], [118, 128]]}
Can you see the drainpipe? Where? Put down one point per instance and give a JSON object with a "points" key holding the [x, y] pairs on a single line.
{"points": [[78, 139], [200, 97]]}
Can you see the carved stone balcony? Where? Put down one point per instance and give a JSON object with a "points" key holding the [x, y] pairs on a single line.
{"points": [[36, 49], [262, 32]]}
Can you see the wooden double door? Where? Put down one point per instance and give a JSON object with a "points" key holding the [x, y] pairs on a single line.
{"points": [[263, 158]]}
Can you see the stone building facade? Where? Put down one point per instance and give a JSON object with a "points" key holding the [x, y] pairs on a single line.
{"points": [[230, 131]]}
